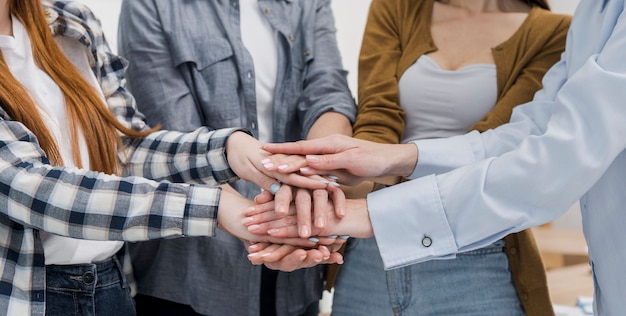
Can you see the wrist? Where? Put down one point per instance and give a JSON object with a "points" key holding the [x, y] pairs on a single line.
{"points": [[404, 159]]}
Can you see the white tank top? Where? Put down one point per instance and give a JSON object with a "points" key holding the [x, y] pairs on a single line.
{"points": [[442, 103]]}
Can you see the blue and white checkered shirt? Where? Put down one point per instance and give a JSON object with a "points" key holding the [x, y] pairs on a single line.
{"points": [[83, 204]]}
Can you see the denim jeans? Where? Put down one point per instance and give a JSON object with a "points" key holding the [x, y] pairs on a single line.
{"points": [[475, 283], [97, 289]]}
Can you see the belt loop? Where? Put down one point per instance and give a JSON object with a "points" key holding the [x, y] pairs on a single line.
{"points": [[120, 270]]}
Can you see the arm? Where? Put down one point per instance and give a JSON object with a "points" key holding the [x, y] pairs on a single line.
{"points": [[378, 82], [326, 105], [579, 135]]}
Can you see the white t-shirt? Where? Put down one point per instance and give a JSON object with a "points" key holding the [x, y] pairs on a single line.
{"points": [[260, 41]]}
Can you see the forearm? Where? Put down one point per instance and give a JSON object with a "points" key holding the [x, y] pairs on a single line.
{"points": [[330, 123]]}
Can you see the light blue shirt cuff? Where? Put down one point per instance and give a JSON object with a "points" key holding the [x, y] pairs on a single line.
{"points": [[437, 156], [403, 237]]}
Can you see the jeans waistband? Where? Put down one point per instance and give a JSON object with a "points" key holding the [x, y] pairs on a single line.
{"points": [[85, 276]]}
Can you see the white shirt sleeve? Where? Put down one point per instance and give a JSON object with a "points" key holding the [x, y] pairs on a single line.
{"points": [[552, 152]]}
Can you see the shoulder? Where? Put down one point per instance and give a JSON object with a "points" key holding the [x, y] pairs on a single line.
{"points": [[71, 18], [545, 21]]}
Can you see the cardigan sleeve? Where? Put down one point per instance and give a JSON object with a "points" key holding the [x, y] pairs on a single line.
{"points": [[527, 71], [380, 117]]}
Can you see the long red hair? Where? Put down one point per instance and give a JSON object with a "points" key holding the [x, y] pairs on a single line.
{"points": [[86, 110]]}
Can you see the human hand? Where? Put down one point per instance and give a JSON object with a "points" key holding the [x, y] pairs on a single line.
{"points": [[244, 156], [289, 258], [304, 200], [356, 223], [338, 153], [231, 214]]}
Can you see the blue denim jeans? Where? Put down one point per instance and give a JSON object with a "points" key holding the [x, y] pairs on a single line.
{"points": [[97, 289], [475, 283]]}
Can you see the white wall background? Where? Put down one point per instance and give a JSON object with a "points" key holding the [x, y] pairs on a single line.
{"points": [[349, 15]]}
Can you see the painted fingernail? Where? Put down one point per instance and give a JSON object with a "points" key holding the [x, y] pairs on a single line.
{"points": [[324, 181], [305, 169], [273, 231], [333, 177], [274, 188], [312, 158], [282, 167], [253, 247], [268, 165], [344, 236], [247, 220], [252, 255], [331, 236], [253, 228], [335, 184], [313, 239], [266, 160]]}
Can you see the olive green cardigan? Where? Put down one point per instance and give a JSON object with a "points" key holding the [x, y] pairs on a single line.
{"points": [[396, 35]]}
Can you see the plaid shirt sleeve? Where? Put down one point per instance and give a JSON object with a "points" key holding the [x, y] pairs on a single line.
{"points": [[89, 205]]}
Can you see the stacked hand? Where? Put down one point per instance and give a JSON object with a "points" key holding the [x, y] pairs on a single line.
{"points": [[304, 200]]}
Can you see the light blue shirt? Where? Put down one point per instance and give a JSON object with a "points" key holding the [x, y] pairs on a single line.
{"points": [[568, 143]]}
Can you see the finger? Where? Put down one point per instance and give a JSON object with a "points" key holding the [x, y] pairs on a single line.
{"points": [[339, 200], [284, 163], [320, 206], [284, 232], [258, 257], [303, 212], [297, 260], [268, 227], [256, 247], [263, 197], [282, 199], [300, 181]]}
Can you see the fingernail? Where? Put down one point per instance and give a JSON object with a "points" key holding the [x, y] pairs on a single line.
{"points": [[253, 227], [251, 255], [304, 231], [321, 221], [266, 160], [268, 165], [335, 184], [325, 181], [247, 220], [333, 177], [274, 188], [253, 247], [344, 236], [311, 158], [273, 231], [266, 254], [282, 167], [305, 169], [313, 239], [331, 236]]}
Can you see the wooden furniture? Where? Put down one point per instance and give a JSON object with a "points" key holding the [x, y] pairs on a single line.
{"points": [[566, 284], [560, 247]]}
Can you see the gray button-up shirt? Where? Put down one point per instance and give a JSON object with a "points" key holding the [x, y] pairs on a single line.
{"points": [[189, 68]]}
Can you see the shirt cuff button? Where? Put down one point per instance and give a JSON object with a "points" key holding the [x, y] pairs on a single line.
{"points": [[427, 241]]}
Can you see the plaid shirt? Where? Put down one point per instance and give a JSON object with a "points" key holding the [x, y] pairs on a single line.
{"points": [[82, 204]]}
